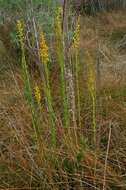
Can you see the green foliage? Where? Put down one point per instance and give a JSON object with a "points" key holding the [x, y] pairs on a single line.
{"points": [[12, 5], [69, 165], [45, 14], [12, 9], [43, 11], [117, 35], [14, 39]]}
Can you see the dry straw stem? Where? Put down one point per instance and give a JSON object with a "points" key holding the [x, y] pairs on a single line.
{"points": [[75, 47], [107, 153]]}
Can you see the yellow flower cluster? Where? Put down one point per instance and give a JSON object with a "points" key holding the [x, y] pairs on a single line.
{"points": [[43, 49], [76, 36], [37, 94], [20, 31]]}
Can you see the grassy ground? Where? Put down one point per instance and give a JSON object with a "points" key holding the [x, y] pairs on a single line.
{"points": [[79, 165]]}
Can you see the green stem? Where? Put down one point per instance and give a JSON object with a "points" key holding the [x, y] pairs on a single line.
{"points": [[49, 104], [77, 88]]}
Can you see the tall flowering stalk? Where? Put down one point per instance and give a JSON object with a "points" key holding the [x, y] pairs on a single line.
{"points": [[44, 57], [60, 61], [75, 46], [20, 34], [92, 90], [26, 77], [76, 36]]}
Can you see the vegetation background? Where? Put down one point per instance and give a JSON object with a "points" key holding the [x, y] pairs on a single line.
{"points": [[62, 94]]}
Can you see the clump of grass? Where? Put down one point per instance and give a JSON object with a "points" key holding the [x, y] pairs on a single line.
{"points": [[65, 166]]}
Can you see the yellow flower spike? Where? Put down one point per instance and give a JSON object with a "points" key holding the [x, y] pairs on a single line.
{"points": [[37, 94], [43, 49], [76, 36], [20, 31]]}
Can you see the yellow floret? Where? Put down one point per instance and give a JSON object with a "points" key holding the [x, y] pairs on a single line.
{"points": [[37, 93]]}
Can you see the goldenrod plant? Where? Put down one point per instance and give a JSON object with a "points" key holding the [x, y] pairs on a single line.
{"points": [[44, 57], [26, 76], [60, 61], [20, 34]]}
